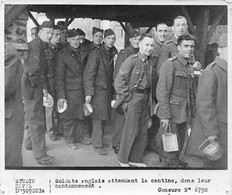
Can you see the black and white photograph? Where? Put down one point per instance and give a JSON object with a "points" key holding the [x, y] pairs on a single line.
{"points": [[116, 97]]}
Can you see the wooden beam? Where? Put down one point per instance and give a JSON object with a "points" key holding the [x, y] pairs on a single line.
{"points": [[190, 24], [12, 13], [33, 19], [69, 22], [149, 29], [215, 24], [204, 35], [124, 28]]}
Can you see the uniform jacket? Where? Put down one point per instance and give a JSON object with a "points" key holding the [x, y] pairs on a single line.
{"points": [[172, 89], [35, 74], [155, 58], [211, 104], [130, 73], [123, 54], [69, 81], [14, 117], [98, 77]]}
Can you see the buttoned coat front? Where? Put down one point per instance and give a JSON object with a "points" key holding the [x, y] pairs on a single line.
{"points": [[98, 81], [69, 82]]}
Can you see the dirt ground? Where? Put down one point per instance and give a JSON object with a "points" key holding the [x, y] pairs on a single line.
{"points": [[85, 155]]}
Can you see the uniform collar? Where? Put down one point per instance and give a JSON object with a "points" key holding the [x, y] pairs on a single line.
{"points": [[222, 63], [135, 50], [142, 57], [71, 49], [182, 60], [158, 42], [174, 40]]}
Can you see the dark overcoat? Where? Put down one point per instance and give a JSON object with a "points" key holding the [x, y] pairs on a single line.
{"points": [[14, 117], [98, 80], [69, 81], [211, 105]]}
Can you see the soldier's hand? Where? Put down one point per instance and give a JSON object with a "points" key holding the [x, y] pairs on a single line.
{"points": [[88, 98], [212, 138], [165, 123], [60, 103], [45, 92]]}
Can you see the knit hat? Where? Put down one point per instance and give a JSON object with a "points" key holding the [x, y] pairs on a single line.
{"points": [[95, 30], [108, 32], [135, 33], [223, 41], [46, 24]]}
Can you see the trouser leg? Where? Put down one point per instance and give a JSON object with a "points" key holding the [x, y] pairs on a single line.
{"points": [[79, 130], [152, 134], [138, 147], [36, 120], [69, 130], [132, 126], [119, 123], [98, 132]]}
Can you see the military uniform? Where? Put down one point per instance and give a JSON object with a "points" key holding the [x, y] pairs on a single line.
{"points": [[120, 119], [33, 82], [14, 118], [153, 142], [133, 84], [174, 94], [69, 86], [211, 116], [98, 79], [51, 55]]}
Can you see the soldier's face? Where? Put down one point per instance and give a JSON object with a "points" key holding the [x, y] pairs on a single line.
{"points": [[56, 37], [109, 41], [97, 38], [46, 34], [74, 41], [135, 41], [161, 33], [146, 46], [186, 48], [223, 53], [180, 27], [34, 33], [64, 35]]}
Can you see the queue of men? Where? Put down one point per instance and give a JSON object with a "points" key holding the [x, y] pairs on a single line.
{"points": [[152, 87]]}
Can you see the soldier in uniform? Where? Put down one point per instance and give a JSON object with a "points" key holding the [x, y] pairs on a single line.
{"points": [[160, 38], [85, 42], [132, 85], [133, 48], [35, 86], [64, 31], [211, 106], [169, 48], [69, 88], [98, 83], [175, 95], [53, 49], [97, 34]]}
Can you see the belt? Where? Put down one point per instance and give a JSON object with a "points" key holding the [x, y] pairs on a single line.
{"points": [[146, 90]]}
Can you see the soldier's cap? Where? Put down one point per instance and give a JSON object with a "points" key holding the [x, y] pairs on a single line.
{"points": [[135, 33], [46, 24], [80, 32], [72, 33], [223, 41], [108, 32], [95, 30]]}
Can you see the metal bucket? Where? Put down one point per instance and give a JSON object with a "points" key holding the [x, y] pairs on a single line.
{"points": [[212, 150]]}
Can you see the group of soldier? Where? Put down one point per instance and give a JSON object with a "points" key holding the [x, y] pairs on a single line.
{"points": [[152, 86]]}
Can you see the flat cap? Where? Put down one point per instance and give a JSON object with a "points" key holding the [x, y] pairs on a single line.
{"points": [[46, 24], [135, 33], [108, 32], [223, 41], [95, 30]]}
